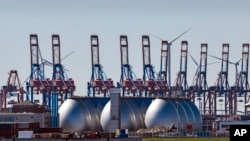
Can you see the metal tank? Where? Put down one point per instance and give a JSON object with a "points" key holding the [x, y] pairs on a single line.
{"points": [[77, 115], [131, 116], [182, 113]]}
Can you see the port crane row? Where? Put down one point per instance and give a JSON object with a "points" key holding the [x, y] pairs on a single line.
{"points": [[157, 84], [60, 87]]}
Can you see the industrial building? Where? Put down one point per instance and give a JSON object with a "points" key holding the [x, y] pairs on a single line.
{"points": [[26, 112]]}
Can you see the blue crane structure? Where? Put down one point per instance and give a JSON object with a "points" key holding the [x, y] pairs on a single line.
{"points": [[128, 81], [152, 83], [99, 83], [164, 66], [63, 87], [221, 87], [199, 87], [37, 82], [242, 82], [180, 85]]}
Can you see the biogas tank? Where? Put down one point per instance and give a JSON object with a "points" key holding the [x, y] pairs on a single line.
{"points": [[182, 113], [131, 116], [77, 115]]}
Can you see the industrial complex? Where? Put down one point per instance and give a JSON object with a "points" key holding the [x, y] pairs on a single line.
{"points": [[133, 107]]}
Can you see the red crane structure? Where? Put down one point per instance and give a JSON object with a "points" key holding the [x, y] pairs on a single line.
{"points": [[12, 88]]}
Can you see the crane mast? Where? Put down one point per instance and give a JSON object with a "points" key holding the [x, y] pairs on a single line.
{"points": [[243, 75], [98, 83], [181, 86], [164, 66], [152, 85], [128, 79]]}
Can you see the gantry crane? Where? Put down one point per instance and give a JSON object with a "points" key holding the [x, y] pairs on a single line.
{"points": [[164, 66], [243, 84], [12, 88], [128, 81], [180, 84], [37, 82], [152, 84], [166, 59], [99, 83], [221, 87], [63, 87], [199, 85]]}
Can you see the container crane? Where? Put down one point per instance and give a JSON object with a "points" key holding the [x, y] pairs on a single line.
{"points": [[152, 84], [199, 84], [128, 81], [37, 82], [164, 66], [98, 83], [63, 87], [221, 85], [243, 84], [167, 60], [12, 88], [233, 92], [181, 86]]}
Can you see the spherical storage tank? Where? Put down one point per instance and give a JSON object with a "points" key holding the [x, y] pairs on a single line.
{"points": [[77, 115], [182, 113], [131, 116]]}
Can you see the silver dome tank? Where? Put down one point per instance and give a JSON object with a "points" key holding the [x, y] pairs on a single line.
{"points": [[171, 111], [77, 115], [131, 116]]}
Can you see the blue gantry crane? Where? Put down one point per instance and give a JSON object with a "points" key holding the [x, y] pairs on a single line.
{"points": [[242, 82], [37, 82], [152, 83], [181, 86], [128, 81], [221, 87], [199, 85], [63, 87], [99, 83]]}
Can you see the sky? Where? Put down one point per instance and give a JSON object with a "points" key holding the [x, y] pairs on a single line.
{"points": [[213, 22]]}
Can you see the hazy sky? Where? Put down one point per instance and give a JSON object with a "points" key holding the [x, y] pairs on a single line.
{"points": [[213, 22]]}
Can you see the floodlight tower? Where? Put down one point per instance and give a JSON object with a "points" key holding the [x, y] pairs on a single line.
{"points": [[98, 83], [181, 86], [128, 80]]}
